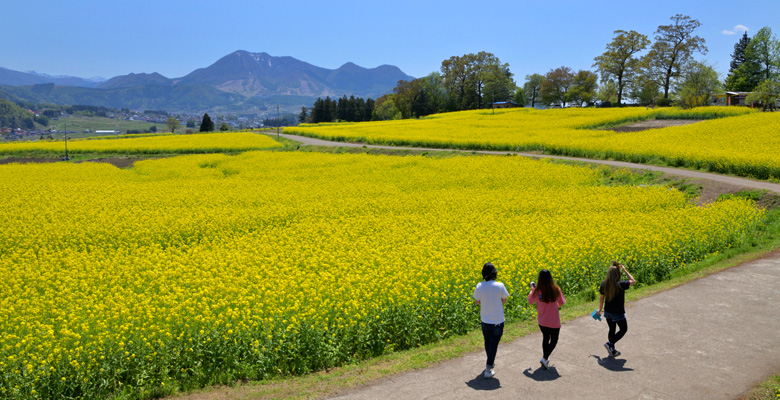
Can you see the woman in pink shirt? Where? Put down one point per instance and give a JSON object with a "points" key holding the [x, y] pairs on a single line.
{"points": [[548, 298]]}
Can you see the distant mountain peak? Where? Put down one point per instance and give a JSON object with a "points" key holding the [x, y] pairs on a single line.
{"points": [[260, 74]]}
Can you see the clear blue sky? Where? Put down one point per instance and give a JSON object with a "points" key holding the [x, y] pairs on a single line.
{"points": [[88, 38]]}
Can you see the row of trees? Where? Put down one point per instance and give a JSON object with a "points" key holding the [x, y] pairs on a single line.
{"points": [[352, 109], [634, 67]]}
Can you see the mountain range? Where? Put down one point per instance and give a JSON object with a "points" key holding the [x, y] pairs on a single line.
{"points": [[238, 82]]}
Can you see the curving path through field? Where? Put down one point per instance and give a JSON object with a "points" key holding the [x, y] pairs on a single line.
{"points": [[716, 337], [725, 179]]}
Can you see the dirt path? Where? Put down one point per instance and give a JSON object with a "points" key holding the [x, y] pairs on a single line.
{"points": [[713, 338]]}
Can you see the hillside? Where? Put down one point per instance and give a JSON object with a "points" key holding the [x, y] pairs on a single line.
{"points": [[238, 82]]}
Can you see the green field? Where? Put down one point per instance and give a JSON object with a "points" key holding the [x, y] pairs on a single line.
{"points": [[81, 123]]}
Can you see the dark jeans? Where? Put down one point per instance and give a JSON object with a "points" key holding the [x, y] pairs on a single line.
{"points": [[549, 340], [492, 334], [615, 336]]}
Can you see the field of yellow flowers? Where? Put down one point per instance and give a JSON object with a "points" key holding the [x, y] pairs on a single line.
{"points": [[196, 143], [201, 269], [733, 140]]}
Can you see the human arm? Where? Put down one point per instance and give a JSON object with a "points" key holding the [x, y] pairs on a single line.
{"points": [[631, 279], [601, 305]]}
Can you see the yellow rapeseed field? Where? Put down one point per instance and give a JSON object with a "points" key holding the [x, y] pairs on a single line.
{"points": [[742, 142], [195, 143], [201, 269]]}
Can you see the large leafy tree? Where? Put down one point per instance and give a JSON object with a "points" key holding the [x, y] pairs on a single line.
{"points": [[673, 49], [584, 87], [499, 85], [533, 89], [556, 85], [699, 82], [172, 123], [764, 50], [465, 78], [618, 63]]}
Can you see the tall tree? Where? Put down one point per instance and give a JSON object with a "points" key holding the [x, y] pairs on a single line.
{"points": [[499, 85], [519, 97], [584, 87], [206, 125], [465, 78], [699, 82], [304, 115], [618, 61], [172, 123], [556, 85], [533, 89], [760, 61], [673, 49], [764, 49], [738, 56]]}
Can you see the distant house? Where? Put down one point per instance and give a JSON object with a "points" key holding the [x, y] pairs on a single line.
{"points": [[729, 99], [107, 132]]}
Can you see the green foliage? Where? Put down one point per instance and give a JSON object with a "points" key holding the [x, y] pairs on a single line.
{"points": [[699, 82], [14, 117], [618, 63], [754, 195], [533, 89], [673, 50], [207, 125], [766, 93]]}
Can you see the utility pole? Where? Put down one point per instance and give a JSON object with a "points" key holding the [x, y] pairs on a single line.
{"points": [[66, 144], [278, 122]]}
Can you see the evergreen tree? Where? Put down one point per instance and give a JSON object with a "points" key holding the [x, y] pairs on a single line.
{"points": [[738, 56], [207, 125]]}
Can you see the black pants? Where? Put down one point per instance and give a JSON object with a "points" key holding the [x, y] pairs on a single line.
{"points": [[549, 340], [615, 336], [492, 334]]}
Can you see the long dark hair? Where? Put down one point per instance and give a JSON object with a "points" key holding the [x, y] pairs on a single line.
{"points": [[546, 287], [612, 281], [489, 272]]}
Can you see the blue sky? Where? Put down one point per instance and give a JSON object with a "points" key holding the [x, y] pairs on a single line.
{"points": [[109, 38]]}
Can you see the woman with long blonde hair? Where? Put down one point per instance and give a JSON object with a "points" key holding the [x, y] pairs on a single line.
{"points": [[612, 301]]}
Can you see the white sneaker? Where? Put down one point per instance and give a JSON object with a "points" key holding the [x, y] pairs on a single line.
{"points": [[489, 373], [545, 363]]}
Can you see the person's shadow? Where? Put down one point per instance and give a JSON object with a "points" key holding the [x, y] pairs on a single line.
{"points": [[541, 374], [612, 364], [482, 383]]}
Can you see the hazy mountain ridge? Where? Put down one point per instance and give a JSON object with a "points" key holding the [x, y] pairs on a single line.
{"points": [[236, 81]]}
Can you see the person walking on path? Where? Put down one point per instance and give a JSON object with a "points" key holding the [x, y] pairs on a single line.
{"points": [[548, 298], [612, 301], [491, 296]]}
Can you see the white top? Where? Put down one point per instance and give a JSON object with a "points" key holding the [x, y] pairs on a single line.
{"points": [[489, 295]]}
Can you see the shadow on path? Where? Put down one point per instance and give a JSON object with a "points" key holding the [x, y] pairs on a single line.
{"points": [[612, 364], [541, 374], [482, 383]]}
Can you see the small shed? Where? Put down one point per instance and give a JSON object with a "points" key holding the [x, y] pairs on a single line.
{"points": [[729, 99], [504, 104]]}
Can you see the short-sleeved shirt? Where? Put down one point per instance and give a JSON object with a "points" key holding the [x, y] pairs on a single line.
{"points": [[489, 294], [617, 304], [547, 314]]}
